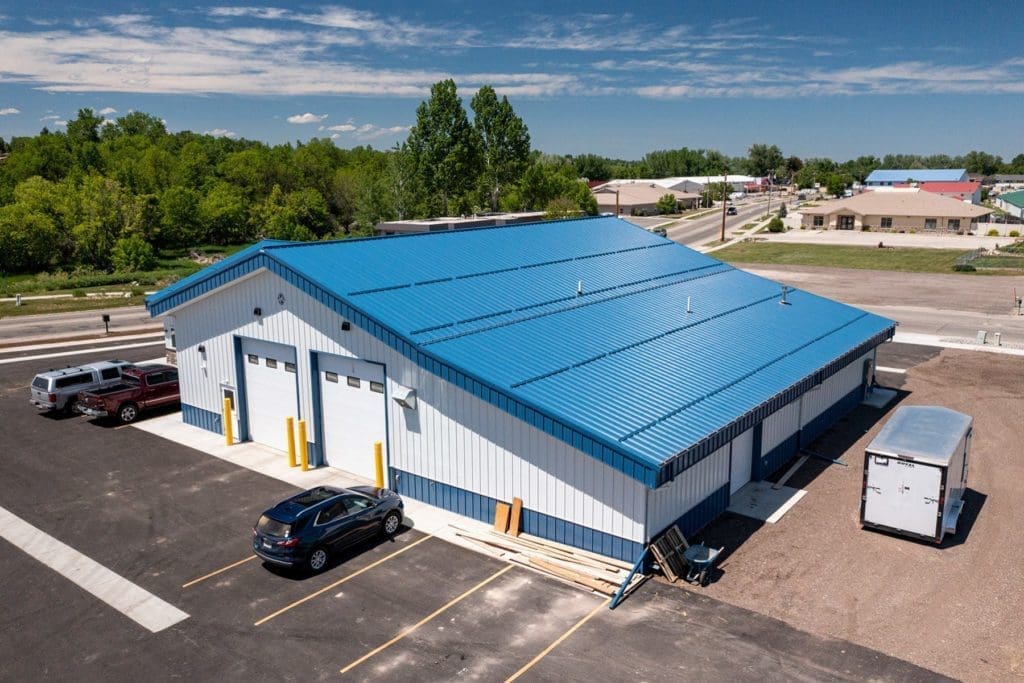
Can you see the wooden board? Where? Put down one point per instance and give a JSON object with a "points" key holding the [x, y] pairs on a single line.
{"points": [[501, 513], [516, 519]]}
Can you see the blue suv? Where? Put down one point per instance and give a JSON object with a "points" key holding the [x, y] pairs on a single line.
{"points": [[307, 529]]}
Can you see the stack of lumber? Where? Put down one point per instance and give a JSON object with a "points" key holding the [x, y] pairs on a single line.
{"points": [[578, 567]]}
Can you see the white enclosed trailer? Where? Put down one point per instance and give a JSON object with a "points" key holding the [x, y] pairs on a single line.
{"points": [[915, 472]]}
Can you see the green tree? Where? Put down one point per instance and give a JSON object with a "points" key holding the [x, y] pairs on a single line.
{"points": [[28, 239], [592, 167], [223, 215], [180, 223], [504, 143], [836, 183], [131, 254], [101, 212], [763, 159], [667, 203], [446, 149]]}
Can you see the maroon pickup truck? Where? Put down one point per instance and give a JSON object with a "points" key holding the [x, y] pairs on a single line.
{"points": [[141, 388]]}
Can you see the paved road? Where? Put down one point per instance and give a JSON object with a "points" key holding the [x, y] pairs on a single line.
{"points": [[63, 325], [698, 232]]}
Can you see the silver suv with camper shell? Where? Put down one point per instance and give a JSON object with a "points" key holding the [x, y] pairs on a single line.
{"points": [[56, 389]]}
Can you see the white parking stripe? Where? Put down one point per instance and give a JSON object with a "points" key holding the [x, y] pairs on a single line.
{"points": [[882, 368], [122, 347], [134, 602]]}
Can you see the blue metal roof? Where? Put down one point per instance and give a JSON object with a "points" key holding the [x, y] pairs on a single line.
{"points": [[902, 175], [621, 371]]}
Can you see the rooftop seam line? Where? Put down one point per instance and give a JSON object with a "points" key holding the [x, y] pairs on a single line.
{"points": [[641, 342], [739, 379], [550, 302], [583, 304]]}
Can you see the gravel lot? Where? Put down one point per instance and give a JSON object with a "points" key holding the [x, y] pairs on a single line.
{"points": [[953, 608]]}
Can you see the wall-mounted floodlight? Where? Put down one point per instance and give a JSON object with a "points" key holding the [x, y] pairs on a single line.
{"points": [[257, 311], [405, 397], [346, 326]]}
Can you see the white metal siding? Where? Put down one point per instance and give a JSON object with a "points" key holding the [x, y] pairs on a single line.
{"points": [[823, 397], [452, 436], [780, 425], [668, 503]]}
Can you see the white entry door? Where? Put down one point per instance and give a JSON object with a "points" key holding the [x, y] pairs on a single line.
{"points": [[352, 405], [742, 460], [271, 391]]}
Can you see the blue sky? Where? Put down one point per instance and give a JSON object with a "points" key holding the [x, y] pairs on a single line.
{"points": [[619, 79]]}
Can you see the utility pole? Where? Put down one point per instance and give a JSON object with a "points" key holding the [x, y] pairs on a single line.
{"points": [[725, 199], [769, 178]]}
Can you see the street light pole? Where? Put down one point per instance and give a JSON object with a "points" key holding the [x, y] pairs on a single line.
{"points": [[769, 194], [725, 197]]}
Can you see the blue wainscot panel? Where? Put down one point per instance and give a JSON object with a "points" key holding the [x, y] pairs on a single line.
{"points": [[535, 523], [198, 417]]}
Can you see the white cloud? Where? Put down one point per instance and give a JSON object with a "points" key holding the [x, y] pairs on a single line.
{"points": [[343, 128], [60, 123], [51, 117], [365, 131], [306, 118], [221, 133], [8, 111], [107, 111]]}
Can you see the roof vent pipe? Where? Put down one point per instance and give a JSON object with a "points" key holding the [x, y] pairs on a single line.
{"points": [[688, 309], [579, 288], [785, 290]]}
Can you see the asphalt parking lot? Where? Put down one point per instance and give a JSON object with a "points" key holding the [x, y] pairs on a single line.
{"points": [[177, 523]]}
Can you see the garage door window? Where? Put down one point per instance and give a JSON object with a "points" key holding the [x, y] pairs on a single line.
{"points": [[271, 363], [331, 376], [289, 367], [354, 382], [254, 359], [377, 387]]}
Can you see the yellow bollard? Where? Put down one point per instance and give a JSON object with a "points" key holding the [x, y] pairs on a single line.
{"points": [[229, 437], [378, 463], [289, 426], [303, 446]]}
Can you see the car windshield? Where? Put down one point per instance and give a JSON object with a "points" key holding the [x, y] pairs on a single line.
{"points": [[40, 383], [272, 527]]}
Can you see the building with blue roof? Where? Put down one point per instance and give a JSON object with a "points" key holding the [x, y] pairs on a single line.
{"points": [[888, 177], [613, 380]]}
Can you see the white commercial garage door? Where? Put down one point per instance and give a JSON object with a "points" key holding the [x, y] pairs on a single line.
{"points": [[352, 403], [742, 459], [271, 391]]}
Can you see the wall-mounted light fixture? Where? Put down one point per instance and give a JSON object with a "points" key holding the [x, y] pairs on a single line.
{"points": [[346, 326], [201, 349], [405, 397], [257, 311]]}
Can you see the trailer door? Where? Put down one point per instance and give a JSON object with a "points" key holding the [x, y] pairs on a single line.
{"points": [[903, 495]]}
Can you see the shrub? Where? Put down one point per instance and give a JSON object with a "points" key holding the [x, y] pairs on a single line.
{"points": [[78, 293], [138, 291], [964, 268], [865, 228], [132, 253], [993, 233], [776, 225], [1014, 233]]}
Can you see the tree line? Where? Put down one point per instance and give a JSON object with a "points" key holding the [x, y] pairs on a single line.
{"points": [[112, 195]]}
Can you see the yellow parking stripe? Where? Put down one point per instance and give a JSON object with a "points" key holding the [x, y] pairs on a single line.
{"points": [[544, 653], [219, 571], [427, 618], [340, 581]]}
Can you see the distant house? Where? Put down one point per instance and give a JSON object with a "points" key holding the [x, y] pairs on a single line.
{"points": [[969, 191], [638, 198], [889, 177], [1012, 203], [445, 223], [897, 211], [690, 183]]}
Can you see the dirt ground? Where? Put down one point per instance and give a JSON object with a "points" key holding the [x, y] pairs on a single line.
{"points": [[954, 608]]}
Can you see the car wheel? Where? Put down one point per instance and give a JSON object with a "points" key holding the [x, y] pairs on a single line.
{"points": [[392, 520], [128, 412], [318, 559]]}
